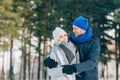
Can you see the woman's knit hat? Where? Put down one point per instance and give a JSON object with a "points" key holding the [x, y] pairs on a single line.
{"points": [[57, 33], [81, 23]]}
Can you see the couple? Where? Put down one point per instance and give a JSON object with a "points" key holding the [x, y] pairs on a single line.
{"points": [[76, 58]]}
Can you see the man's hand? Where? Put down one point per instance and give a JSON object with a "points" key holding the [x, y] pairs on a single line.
{"points": [[50, 63], [69, 69]]}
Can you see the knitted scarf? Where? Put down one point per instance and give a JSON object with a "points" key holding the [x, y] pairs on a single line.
{"points": [[83, 38]]}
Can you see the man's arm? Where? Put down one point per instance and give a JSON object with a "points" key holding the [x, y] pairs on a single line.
{"points": [[92, 59]]}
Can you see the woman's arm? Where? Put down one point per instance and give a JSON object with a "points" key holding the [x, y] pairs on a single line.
{"points": [[55, 71]]}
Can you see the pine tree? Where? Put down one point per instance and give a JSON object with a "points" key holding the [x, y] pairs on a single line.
{"points": [[8, 28]]}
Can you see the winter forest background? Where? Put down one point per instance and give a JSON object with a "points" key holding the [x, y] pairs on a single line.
{"points": [[26, 34]]}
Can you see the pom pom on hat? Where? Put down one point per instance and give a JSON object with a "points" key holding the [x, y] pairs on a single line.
{"points": [[81, 23], [57, 33]]}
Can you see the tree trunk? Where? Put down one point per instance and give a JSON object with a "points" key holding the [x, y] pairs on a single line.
{"points": [[39, 60], [107, 72], [24, 69], [21, 69], [119, 47], [33, 67], [29, 60], [76, 8], [24, 53], [11, 66], [2, 78], [116, 55]]}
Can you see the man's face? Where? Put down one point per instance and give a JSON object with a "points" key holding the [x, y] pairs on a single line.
{"points": [[63, 37], [77, 31]]}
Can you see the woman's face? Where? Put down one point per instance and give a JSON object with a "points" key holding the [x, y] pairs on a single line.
{"points": [[63, 37]]}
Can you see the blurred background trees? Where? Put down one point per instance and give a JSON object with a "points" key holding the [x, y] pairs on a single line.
{"points": [[30, 23]]}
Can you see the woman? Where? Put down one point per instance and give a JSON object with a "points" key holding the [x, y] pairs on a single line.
{"points": [[64, 53]]}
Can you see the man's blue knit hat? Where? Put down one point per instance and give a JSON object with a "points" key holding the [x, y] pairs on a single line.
{"points": [[81, 23]]}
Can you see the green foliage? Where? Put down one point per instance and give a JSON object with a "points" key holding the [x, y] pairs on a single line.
{"points": [[8, 23], [4, 46]]}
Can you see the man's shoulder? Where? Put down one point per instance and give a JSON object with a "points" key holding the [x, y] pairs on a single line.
{"points": [[95, 37], [95, 40]]}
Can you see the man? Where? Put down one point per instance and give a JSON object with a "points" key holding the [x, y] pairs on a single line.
{"points": [[88, 46]]}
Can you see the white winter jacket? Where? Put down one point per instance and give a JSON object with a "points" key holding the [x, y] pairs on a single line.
{"points": [[58, 55]]}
